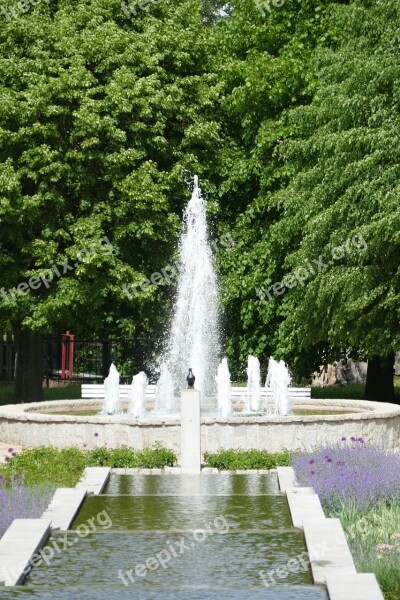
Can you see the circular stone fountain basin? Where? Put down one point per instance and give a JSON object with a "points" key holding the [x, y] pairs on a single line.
{"points": [[32, 425]]}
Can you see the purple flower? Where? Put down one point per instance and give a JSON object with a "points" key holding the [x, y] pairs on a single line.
{"points": [[10, 449], [13, 454], [353, 439], [365, 474], [6, 459], [85, 445], [19, 501], [344, 439], [96, 435], [311, 461]]}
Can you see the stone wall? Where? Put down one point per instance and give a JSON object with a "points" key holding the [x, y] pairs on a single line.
{"points": [[374, 421]]}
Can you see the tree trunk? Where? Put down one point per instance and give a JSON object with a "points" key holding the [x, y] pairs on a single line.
{"points": [[28, 366], [380, 383]]}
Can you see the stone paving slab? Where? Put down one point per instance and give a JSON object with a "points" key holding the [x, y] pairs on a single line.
{"points": [[63, 508], [286, 477], [94, 480], [362, 586], [304, 505], [22, 539], [328, 550]]}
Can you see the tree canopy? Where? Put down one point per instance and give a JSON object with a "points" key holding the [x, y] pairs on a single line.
{"points": [[288, 113]]}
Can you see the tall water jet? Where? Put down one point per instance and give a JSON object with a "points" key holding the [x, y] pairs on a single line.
{"points": [[224, 389], [137, 393], [111, 404], [194, 334], [253, 392], [165, 396], [277, 385]]}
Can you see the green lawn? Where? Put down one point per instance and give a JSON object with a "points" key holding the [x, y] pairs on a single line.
{"points": [[352, 391], [69, 392]]}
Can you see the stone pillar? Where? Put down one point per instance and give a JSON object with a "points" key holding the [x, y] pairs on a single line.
{"points": [[190, 432]]}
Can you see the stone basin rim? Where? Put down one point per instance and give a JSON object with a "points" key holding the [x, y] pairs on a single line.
{"points": [[364, 409]]}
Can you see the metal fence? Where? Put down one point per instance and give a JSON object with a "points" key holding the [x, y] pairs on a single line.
{"points": [[67, 358]]}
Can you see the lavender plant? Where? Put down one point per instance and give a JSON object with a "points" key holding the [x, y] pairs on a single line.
{"points": [[352, 472], [19, 501]]}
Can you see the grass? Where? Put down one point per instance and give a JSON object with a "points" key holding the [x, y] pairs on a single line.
{"points": [[374, 540], [69, 392], [63, 468], [351, 391], [233, 460], [362, 490]]}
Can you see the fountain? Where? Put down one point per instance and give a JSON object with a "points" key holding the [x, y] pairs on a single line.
{"points": [[232, 417], [278, 382], [165, 392], [111, 404], [193, 338], [224, 389], [253, 394], [137, 395]]}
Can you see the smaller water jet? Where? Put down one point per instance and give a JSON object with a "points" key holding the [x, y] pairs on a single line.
{"points": [[253, 393], [165, 392], [111, 404], [277, 388], [137, 394], [224, 389]]}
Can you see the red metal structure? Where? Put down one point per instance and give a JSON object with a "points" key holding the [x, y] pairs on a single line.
{"points": [[67, 355]]}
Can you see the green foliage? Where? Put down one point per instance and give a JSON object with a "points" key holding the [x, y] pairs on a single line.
{"points": [[374, 540], [63, 468], [327, 177], [232, 460], [125, 457], [100, 115]]}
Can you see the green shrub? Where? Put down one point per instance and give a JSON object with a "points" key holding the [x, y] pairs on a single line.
{"points": [[63, 468], [232, 460], [156, 458], [48, 465]]}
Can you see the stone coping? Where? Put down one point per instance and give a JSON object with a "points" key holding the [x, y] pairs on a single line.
{"points": [[177, 471], [363, 410], [329, 555], [19, 543]]}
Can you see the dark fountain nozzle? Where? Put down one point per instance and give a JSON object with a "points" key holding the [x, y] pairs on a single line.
{"points": [[190, 379]]}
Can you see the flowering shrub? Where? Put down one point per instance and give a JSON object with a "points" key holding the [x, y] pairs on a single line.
{"points": [[357, 473], [19, 501]]}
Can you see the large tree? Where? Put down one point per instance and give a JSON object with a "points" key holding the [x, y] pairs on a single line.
{"points": [[100, 115], [265, 59], [331, 245]]}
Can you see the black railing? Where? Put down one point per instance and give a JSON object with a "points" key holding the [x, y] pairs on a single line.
{"points": [[83, 360]]}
